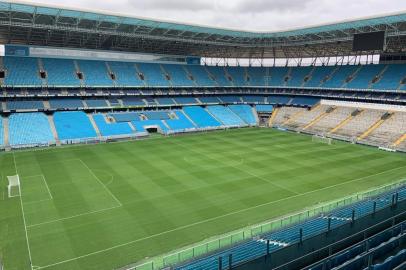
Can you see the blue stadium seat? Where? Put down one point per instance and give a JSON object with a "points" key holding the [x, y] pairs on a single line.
{"points": [[133, 101], [178, 75], [364, 77], [391, 78], [153, 75], [230, 99], [156, 115], [258, 76], [239, 75], [96, 103], [141, 126], [226, 116], [29, 128], [165, 101], [254, 99], [180, 123], [201, 117], [208, 100], [277, 76], [278, 99], [185, 100], [305, 101], [125, 117], [21, 71], [95, 73], [24, 105], [297, 76], [73, 125], [61, 72], [219, 74], [200, 75], [337, 80], [110, 128], [319, 75], [126, 74], [264, 108], [245, 113], [66, 103]]}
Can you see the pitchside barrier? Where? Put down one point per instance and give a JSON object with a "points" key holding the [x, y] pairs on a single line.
{"points": [[220, 242]]}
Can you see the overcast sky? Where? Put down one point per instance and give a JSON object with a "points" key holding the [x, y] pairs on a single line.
{"points": [[260, 15]]}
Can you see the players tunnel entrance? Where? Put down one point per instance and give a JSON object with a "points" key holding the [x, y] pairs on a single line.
{"points": [[152, 129]]}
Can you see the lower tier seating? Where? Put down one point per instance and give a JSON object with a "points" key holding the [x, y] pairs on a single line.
{"points": [[179, 122], [225, 115], [245, 112], [201, 117], [110, 128], [29, 128], [73, 125], [142, 126]]}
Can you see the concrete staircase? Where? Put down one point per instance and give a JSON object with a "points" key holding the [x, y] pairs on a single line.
{"points": [[77, 70], [53, 129], [137, 69], [96, 128], [273, 116], [400, 140]]}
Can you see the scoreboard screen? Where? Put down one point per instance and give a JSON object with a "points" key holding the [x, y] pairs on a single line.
{"points": [[374, 41]]}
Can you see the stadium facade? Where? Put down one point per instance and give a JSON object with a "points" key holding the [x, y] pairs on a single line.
{"points": [[74, 76]]}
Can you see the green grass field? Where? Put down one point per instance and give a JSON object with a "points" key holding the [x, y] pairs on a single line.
{"points": [[105, 206]]}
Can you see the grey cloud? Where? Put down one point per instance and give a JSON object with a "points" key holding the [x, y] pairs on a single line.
{"points": [[179, 5]]}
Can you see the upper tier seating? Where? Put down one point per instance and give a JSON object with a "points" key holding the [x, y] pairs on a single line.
{"points": [[277, 76], [1, 131], [257, 76], [111, 128], [219, 74], [298, 75], [319, 75], [95, 73], [365, 76], [126, 74], [200, 75], [305, 101], [264, 108], [238, 74], [73, 125], [96, 103], [226, 116], [25, 105], [180, 123], [201, 117], [279, 99], [391, 78], [245, 113], [21, 71], [338, 79], [153, 74], [29, 128], [67, 103], [60, 72], [178, 75]]}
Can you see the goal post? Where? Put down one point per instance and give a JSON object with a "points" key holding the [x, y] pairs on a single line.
{"points": [[14, 189], [322, 139]]}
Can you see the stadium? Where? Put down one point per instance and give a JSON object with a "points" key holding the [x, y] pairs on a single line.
{"points": [[136, 144]]}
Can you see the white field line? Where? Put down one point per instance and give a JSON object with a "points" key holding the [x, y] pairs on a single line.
{"points": [[22, 210], [74, 216], [101, 183], [45, 182], [238, 168], [214, 218]]}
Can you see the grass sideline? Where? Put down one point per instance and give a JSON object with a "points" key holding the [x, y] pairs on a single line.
{"points": [[109, 205]]}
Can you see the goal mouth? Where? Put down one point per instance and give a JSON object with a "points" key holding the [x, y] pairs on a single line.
{"points": [[322, 139], [14, 189]]}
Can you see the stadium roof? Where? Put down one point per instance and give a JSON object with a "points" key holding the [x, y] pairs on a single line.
{"points": [[23, 23]]}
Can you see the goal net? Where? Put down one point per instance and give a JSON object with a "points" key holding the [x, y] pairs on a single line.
{"points": [[14, 189], [321, 139]]}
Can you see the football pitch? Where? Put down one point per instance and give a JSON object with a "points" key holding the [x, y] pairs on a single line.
{"points": [[109, 205]]}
